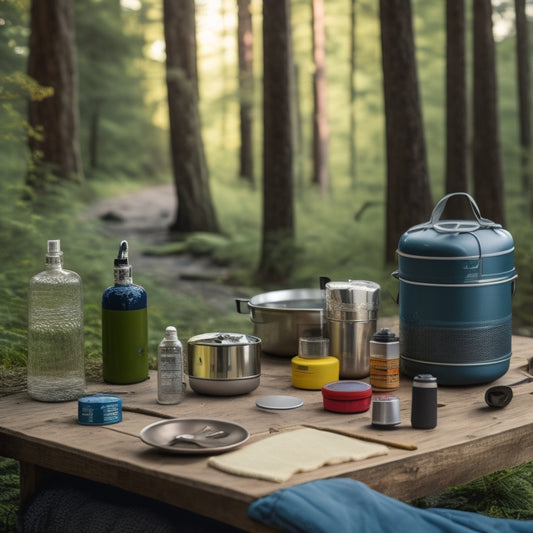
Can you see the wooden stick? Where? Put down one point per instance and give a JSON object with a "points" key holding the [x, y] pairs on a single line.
{"points": [[365, 437], [144, 411]]}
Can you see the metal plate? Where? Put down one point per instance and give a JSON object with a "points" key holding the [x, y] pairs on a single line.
{"points": [[161, 433], [279, 402]]}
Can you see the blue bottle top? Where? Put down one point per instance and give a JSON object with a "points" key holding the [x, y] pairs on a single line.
{"points": [[124, 295]]}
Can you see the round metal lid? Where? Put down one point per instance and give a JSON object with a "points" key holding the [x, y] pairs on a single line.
{"points": [[279, 402], [227, 339]]}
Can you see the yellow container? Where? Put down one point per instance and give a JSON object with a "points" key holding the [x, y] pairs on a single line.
{"points": [[312, 374]]}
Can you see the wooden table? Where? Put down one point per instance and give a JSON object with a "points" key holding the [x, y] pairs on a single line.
{"points": [[470, 440]]}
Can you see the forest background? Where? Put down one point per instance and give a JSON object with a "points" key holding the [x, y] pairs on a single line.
{"points": [[122, 85], [121, 64]]}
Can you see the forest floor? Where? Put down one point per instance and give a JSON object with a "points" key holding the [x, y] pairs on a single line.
{"points": [[142, 218]]}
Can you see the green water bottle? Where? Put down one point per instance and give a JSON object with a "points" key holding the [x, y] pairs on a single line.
{"points": [[124, 326]]}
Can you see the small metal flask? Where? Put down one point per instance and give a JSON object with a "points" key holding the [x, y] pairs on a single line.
{"points": [[424, 402]]}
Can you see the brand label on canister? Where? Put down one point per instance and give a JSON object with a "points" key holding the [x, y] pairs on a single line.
{"points": [[99, 409], [384, 373]]}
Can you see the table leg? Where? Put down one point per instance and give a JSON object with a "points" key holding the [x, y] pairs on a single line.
{"points": [[32, 477]]}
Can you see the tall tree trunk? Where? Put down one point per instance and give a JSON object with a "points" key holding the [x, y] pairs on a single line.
{"points": [[277, 252], [245, 44], [195, 211], [488, 173], [524, 98], [456, 109], [54, 142], [320, 114], [353, 146], [408, 190]]}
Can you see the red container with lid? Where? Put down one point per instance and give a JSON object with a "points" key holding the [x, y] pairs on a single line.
{"points": [[347, 396]]}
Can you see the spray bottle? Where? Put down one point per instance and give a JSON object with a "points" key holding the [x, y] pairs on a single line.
{"points": [[124, 326]]}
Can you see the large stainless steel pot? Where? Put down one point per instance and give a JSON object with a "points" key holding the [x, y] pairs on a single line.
{"points": [[224, 364], [280, 318]]}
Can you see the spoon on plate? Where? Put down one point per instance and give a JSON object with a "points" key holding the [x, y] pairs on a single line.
{"points": [[197, 439]]}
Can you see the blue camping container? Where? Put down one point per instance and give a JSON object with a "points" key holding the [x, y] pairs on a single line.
{"points": [[456, 284]]}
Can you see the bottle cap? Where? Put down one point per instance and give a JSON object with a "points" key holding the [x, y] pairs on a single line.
{"points": [[425, 381], [385, 335], [171, 333], [54, 246], [122, 257], [54, 255], [122, 270]]}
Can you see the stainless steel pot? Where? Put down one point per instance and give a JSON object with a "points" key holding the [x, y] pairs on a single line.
{"points": [[224, 364], [280, 318]]}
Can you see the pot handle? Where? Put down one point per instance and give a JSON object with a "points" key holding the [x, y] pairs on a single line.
{"points": [[238, 302], [396, 275], [461, 227]]}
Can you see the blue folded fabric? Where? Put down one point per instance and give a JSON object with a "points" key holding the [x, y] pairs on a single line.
{"points": [[344, 505]]}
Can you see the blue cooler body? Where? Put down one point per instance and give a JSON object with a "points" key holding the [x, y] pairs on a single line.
{"points": [[456, 284]]}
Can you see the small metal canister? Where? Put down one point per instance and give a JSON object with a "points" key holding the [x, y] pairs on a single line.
{"points": [[351, 310], [424, 402], [385, 361]]}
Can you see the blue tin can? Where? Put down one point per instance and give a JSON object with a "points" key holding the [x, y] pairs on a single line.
{"points": [[99, 410], [456, 284]]}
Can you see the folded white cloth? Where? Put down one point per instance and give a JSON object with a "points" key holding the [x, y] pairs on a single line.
{"points": [[278, 457]]}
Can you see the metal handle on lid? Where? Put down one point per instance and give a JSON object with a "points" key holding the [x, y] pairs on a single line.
{"points": [[456, 226]]}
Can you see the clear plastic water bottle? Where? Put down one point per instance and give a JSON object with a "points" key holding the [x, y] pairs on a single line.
{"points": [[170, 389], [56, 370]]}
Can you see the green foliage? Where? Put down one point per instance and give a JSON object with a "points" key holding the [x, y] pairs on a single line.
{"points": [[505, 494], [9, 494]]}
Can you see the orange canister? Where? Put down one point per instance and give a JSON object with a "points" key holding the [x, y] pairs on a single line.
{"points": [[385, 361]]}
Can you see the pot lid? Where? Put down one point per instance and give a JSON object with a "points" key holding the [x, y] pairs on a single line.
{"points": [[346, 390], [226, 339], [478, 237]]}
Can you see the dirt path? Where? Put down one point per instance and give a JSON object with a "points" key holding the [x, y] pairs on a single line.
{"points": [[142, 218]]}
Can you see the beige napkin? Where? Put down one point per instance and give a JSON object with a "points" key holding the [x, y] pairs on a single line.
{"points": [[278, 457]]}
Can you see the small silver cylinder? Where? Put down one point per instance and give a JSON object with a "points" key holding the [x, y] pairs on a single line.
{"points": [[386, 411]]}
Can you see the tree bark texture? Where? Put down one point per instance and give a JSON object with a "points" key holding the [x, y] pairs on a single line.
{"points": [[246, 88], [320, 112], [278, 221], [524, 90], [54, 142], [456, 108], [195, 211], [488, 173], [353, 56], [408, 191]]}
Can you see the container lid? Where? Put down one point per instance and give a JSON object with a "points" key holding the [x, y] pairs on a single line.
{"points": [[346, 390], [279, 402], [352, 299], [385, 335], [438, 238], [227, 339], [312, 347], [426, 381]]}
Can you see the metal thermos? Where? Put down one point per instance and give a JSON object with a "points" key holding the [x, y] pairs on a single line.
{"points": [[424, 402], [351, 312]]}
